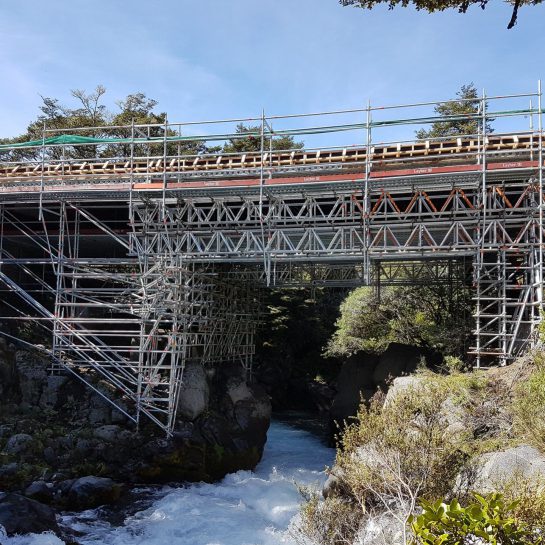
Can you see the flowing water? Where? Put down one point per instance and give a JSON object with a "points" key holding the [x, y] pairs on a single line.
{"points": [[246, 508]]}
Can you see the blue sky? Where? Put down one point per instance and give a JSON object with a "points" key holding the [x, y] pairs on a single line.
{"points": [[206, 59]]}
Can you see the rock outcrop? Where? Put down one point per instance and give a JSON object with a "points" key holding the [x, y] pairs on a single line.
{"points": [[20, 515], [516, 464], [63, 444], [363, 374]]}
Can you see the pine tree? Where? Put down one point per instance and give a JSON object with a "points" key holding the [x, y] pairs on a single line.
{"points": [[454, 112]]}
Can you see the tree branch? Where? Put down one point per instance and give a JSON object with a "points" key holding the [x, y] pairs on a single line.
{"points": [[514, 15]]}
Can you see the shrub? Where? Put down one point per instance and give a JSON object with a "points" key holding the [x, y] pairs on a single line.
{"points": [[528, 496], [487, 519], [529, 408], [414, 315], [454, 364], [391, 456], [330, 522], [401, 449]]}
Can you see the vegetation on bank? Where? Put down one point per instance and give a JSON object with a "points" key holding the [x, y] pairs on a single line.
{"points": [[420, 315], [410, 463]]}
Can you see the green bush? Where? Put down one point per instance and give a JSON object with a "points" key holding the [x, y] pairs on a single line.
{"points": [[391, 456], [330, 522], [414, 315], [401, 448], [486, 520], [528, 496], [398, 454], [529, 408], [454, 364]]}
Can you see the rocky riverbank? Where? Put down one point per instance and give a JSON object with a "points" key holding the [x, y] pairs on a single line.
{"points": [[436, 437], [63, 445]]}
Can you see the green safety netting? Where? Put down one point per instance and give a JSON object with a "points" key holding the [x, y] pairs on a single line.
{"points": [[74, 139]]}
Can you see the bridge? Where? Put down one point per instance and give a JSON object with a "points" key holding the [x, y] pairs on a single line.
{"points": [[134, 254]]}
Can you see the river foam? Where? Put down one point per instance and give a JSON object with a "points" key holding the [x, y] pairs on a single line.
{"points": [[245, 508]]}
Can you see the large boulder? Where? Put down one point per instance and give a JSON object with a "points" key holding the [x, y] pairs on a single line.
{"points": [[401, 385], [251, 409], [89, 492], [112, 433], [194, 392], [40, 491], [495, 468], [19, 443], [20, 515]]}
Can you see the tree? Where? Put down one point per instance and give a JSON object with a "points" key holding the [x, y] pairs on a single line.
{"points": [[440, 5], [91, 113], [426, 315], [139, 109], [88, 113], [454, 112], [252, 142]]}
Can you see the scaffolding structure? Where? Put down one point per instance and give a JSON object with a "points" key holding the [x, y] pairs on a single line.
{"points": [[137, 255]]}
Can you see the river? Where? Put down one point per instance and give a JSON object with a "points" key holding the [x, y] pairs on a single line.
{"points": [[245, 508]]}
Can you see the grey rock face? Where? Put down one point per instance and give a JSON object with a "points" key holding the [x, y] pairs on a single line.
{"points": [[194, 393], [89, 492], [384, 529], [395, 361], [20, 515], [39, 491], [111, 433], [400, 385], [363, 374], [333, 485], [221, 427], [32, 371], [354, 383], [18, 443], [522, 462], [238, 390], [100, 411], [50, 394]]}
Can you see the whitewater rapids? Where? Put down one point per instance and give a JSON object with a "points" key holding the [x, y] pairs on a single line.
{"points": [[245, 508]]}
